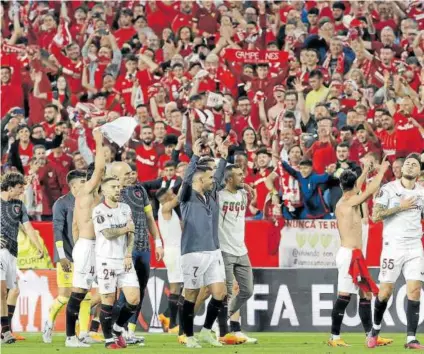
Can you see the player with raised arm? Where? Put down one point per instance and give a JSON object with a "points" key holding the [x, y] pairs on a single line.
{"points": [[201, 260], [83, 253], [13, 213], [349, 221], [399, 204], [114, 229], [63, 213]]}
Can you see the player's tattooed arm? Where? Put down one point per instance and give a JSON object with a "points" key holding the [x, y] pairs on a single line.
{"points": [[114, 233], [380, 212], [130, 244]]}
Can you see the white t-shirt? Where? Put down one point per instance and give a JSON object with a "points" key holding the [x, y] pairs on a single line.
{"points": [[108, 218], [170, 229], [231, 231], [403, 228]]}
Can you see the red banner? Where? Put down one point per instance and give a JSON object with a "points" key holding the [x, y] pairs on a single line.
{"points": [[255, 56]]}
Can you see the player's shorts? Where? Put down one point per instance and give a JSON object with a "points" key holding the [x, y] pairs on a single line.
{"points": [[202, 269], [84, 257], [64, 280], [172, 260], [345, 282], [8, 266], [395, 259], [111, 275]]}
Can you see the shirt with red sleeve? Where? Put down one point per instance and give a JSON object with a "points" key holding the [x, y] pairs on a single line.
{"points": [[49, 129], [388, 143], [25, 154], [207, 21], [147, 168], [53, 186], [358, 150], [123, 35], [257, 181], [71, 69], [62, 163], [124, 86], [145, 79], [322, 154], [408, 137], [181, 20], [240, 123], [12, 96]]}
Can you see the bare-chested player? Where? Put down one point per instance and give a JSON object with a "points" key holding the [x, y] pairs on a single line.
{"points": [[85, 241], [348, 214]]}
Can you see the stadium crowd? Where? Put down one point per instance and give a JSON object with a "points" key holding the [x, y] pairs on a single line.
{"points": [[344, 88]]}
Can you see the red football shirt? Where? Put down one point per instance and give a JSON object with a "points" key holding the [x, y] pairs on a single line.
{"points": [[323, 154], [257, 181], [147, 168]]}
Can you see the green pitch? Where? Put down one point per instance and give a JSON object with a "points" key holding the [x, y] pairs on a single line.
{"points": [[290, 343]]}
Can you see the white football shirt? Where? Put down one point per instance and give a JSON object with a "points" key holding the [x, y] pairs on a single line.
{"points": [[170, 229], [110, 218], [231, 228], [403, 228]]}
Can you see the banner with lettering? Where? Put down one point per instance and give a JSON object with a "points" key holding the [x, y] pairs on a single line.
{"points": [[312, 243], [255, 56], [28, 254]]}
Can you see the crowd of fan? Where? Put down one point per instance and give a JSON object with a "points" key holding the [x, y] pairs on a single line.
{"points": [[349, 93]]}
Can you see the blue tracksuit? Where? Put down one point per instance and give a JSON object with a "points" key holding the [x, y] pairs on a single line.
{"points": [[313, 202]]}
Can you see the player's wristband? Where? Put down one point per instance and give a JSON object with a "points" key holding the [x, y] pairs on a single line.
{"points": [[60, 250], [61, 253], [158, 242]]}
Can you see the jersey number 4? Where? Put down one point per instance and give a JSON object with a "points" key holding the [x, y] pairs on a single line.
{"points": [[92, 271], [388, 263]]}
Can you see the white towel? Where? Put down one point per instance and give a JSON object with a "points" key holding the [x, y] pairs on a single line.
{"points": [[120, 130]]}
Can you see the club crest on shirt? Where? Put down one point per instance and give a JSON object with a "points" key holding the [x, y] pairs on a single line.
{"points": [[380, 193], [100, 219], [137, 194], [17, 209]]}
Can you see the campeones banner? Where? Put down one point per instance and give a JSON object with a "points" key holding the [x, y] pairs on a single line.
{"points": [[255, 56], [312, 244]]}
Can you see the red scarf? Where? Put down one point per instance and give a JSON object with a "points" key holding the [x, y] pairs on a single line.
{"points": [[290, 189], [340, 67]]}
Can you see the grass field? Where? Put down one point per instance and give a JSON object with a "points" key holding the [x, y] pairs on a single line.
{"points": [[290, 343]]}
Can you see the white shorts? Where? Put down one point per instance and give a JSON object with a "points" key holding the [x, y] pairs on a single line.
{"points": [[172, 260], [111, 275], [395, 259], [8, 266], [84, 258], [345, 282], [202, 269]]}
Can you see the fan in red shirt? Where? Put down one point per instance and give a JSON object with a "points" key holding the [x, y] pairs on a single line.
{"points": [[71, 63], [338, 10], [363, 144], [125, 83], [183, 18], [61, 161], [322, 152], [206, 20], [147, 156], [14, 96], [51, 116], [126, 31], [257, 180], [249, 117], [387, 137], [170, 142]]}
